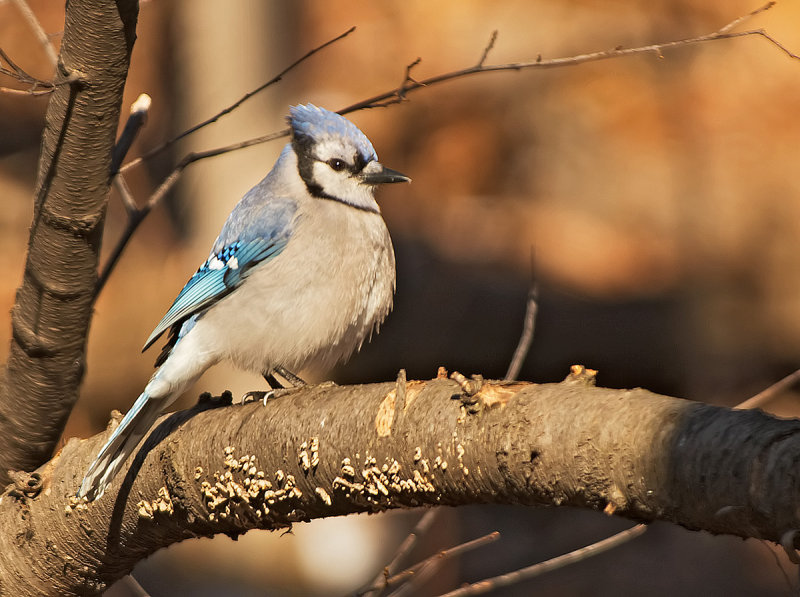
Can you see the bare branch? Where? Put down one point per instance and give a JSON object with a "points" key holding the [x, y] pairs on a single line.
{"points": [[399, 94], [407, 78], [125, 195], [33, 92], [38, 86], [43, 38], [769, 393], [424, 523], [17, 72], [772, 40], [422, 527], [419, 573], [488, 48], [137, 216], [526, 338], [528, 328], [238, 102], [513, 371], [136, 120], [392, 97], [573, 557], [736, 22]]}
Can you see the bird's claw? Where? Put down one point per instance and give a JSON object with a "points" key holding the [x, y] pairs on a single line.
{"points": [[258, 395]]}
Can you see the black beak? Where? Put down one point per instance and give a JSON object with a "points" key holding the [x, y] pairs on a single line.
{"points": [[383, 176]]}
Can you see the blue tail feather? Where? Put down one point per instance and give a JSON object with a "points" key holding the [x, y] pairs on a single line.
{"points": [[122, 443]]}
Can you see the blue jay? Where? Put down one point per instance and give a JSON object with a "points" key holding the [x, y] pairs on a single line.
{"points": [[301, 274]]}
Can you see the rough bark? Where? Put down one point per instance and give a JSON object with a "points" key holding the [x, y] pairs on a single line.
{"points": [[329, 450], [51, 316]]}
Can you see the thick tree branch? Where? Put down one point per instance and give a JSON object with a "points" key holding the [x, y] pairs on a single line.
{"points": [[50, 318], [305, 455]]}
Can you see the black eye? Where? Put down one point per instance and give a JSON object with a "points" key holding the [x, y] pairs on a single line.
{"points": [[337, 164]]}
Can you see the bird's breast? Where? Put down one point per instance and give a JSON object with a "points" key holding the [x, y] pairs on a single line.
{"points": [[316, 302]]}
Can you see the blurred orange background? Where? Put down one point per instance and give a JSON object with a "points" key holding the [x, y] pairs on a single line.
{"points": [[658, 196]]}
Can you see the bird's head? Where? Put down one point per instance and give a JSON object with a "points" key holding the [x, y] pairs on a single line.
{"points": [[335, 159]]}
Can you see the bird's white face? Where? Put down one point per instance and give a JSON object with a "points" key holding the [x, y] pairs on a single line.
{"points": [[338, 171]]}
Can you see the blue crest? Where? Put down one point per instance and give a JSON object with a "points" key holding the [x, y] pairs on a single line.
{"points": [[315, 124]]}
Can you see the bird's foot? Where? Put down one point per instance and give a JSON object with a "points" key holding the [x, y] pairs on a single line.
{"points": [[470, 391], [278, 378], [258, 395], [281, 378], [291, 378]]}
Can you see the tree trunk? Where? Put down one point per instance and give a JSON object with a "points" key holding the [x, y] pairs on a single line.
{"points": [[51, 316]]}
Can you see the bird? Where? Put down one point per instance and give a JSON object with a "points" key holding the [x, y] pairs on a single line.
{"points": [[301, 274]]}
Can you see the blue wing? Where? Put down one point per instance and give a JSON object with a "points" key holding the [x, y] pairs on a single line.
{"points": [[220, 274], [257, 230]]}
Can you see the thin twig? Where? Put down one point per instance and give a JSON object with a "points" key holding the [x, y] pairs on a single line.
{"points": [[38, 86], [17, 72], [394, 96], [771, 40], [32, 92], [397, 95], [422, 526], [43, 38], [420, 572], [128, 202], [136, 217], [769, 393], [736, 22], [528, 328], [136, 120], [238, 102], [503, 580], [488, 48], [407, 78]]}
